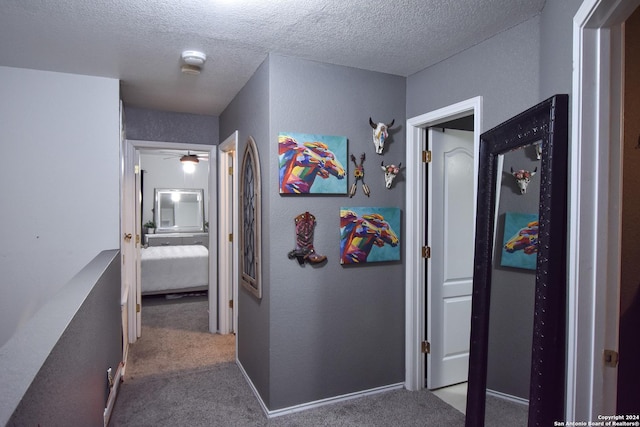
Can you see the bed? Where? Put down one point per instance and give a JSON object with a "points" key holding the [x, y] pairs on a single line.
{"points": [[168, 269]]}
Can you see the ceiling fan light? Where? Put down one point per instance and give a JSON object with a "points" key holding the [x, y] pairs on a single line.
{"points": [[189, 162], [189, 158]]}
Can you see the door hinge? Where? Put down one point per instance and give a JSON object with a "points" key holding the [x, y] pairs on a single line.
{"points": [[136, 169], [231, 237], [230, 303], [611, 358], [426, 156], [426, 347], [230, 170], [426, 252], [137, 308]]}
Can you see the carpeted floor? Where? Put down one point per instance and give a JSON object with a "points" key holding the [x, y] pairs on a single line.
{"points": [[180, 375]]}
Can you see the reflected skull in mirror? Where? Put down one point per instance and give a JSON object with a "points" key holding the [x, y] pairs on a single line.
{"points": [[523, 177]]}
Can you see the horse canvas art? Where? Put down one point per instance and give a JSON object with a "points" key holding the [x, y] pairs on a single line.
{"points": [[369, 234], [520, 243], [312, 163]]}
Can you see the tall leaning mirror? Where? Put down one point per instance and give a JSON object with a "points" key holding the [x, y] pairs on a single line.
{"points": [[517, 353]]}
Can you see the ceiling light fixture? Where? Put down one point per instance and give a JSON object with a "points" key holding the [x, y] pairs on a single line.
{"points": [[192, 61], [189, 162]]}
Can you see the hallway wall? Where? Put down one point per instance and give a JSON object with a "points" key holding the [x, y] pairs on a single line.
{"points": [[60, 173]]}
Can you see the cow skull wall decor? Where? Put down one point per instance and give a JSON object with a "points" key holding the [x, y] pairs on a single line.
{"points": [[380, 134], [390, 173], [523, 177]]}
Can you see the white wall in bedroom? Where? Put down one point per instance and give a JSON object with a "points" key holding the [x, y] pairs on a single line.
{"points": [[59, 170], [165, 171]]}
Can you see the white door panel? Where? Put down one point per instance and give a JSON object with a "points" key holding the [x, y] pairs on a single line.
{"points": [[450, 268]]}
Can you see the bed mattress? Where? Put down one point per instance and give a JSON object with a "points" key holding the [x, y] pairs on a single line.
{"points": [[166, 269]]}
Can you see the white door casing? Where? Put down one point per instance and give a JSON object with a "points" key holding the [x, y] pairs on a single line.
{"points": [[594, 205], [228, 217], [450, 235], [128, 246], [131, 277], [415, 240]]}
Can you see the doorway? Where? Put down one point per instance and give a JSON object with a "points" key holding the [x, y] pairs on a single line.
{"points": [[594, 206], [416, 344], [449, 264], [228, 225], [130, 217]]}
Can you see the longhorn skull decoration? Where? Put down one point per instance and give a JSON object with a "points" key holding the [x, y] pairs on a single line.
{"points": [[538, 150], [523, 177], [390, 173], [358, 174], [380, 134]]}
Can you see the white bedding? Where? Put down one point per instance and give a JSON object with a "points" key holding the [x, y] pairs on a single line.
{"points": [[174, 268]]}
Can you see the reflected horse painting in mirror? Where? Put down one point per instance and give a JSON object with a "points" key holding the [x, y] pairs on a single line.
{"points": [[303, 158], [368, 235]]}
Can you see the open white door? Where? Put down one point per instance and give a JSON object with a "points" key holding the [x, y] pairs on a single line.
{"points": [[130, 244], [450, 236], [228, 224]]}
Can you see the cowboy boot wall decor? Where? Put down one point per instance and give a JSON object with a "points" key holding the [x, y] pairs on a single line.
{"points": [[304, 251]]}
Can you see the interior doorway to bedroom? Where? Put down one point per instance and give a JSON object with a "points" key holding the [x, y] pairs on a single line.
{"points": [[174, 246], [135, 205]]}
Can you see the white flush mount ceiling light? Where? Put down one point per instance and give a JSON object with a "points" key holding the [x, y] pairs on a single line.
{"points": [[192, 61]]}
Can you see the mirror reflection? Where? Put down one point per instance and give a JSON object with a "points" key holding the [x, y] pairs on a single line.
{"points": [[179, 210], [513, 285], [517, 357]]}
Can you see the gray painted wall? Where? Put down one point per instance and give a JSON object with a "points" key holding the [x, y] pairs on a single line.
{"points": [[326, 330], [63, 379], [334, 330], [504, 70], [154, 125], [66, 126], [249, 114], [512, 71]]}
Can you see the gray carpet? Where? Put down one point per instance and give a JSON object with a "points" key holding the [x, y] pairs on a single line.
{"points": [[180, 375]]}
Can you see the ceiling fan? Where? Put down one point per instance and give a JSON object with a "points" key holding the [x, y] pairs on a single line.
{"points": [[189, 160], [189, 156]]}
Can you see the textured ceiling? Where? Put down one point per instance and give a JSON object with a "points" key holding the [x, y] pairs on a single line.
{"points": [[140, 41]]}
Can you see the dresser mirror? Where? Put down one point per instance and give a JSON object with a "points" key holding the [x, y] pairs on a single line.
{"points": [[517, 353], [179, 210]]}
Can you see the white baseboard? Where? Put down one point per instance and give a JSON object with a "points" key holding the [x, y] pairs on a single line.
{"points": [[113, 393], [508, 397], [317, 403]]}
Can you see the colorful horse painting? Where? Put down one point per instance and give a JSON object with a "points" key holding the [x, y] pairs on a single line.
{"points": [[360, 233], [301, 162], [520, 242]]}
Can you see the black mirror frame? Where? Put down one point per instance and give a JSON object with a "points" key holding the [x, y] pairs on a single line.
{"points": [[546, 122]]}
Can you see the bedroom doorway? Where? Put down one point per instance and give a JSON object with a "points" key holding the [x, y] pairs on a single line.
{"points": [[417, 281], [131, 220]]}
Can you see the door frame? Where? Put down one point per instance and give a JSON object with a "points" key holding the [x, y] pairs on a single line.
{"points": [[594, 205], [128, 216], [431, 302], [415, 277], [228, 217]]}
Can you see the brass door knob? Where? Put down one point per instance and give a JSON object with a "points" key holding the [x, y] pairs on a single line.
{"points": [[127, 237]]}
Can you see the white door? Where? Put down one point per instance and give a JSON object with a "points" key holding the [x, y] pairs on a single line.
{"points": [[228, 225], [130, 245], [450, 235]]}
